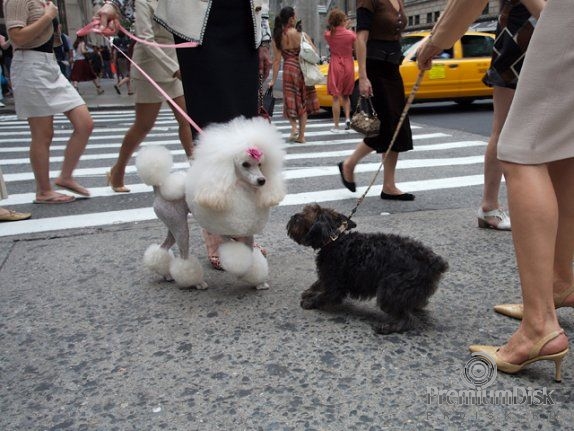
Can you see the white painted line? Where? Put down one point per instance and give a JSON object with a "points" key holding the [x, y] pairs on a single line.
{"points": [[142, 214]]}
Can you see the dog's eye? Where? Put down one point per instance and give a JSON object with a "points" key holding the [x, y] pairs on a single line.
{"points": [[246, 165]]}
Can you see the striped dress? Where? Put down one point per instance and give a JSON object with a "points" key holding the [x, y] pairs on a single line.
{"points": [[297, 98]]}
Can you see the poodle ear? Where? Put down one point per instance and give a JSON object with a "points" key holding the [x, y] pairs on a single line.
{"points": [[272, 193], [214, 197]]}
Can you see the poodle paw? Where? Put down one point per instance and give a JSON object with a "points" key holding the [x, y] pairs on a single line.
{"points": [[201, 286], [262, 286]]}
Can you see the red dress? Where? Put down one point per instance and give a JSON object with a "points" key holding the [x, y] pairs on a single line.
{"points": [[341, 77], [297, 98]]}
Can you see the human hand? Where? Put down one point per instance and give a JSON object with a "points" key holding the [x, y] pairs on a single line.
{"points": [[425, 53], [107, 16], [51, 10], [365, 87], [264, 60]]}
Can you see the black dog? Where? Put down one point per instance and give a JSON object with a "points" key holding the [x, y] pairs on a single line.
{"points": [[402, 273]]}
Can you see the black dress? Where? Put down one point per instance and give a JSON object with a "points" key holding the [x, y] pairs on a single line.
{"points": [[220, 78], [513, 34]]}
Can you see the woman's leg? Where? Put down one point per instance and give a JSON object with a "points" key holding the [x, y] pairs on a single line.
{"points": [[184, 127], [347, 109], [389, 169], [534, 214], [502, 98], [350, 162], [83, 125], [336, 111], [562, 174], [146, 114], [42, 132], [302, 125]]}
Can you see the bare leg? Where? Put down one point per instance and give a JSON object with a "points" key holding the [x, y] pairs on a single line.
{"points": [[185, 136], [389, 166], [302, 124], [562, 174], [42, 132], [347, 107], [293, 123], [336, 111], [83, 125], [146, 114], [492, 167], [350, 162], [212, 243], [534, 213]]}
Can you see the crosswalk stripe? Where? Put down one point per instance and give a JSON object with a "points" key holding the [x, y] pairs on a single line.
{"points": [[146, 213], [300, 164]]}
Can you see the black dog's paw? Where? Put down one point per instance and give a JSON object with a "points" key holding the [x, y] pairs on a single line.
{"points": [[309, 301], [394, 326]]}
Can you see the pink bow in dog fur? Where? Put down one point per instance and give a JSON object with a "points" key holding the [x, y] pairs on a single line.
{"points": [[255, 153]]}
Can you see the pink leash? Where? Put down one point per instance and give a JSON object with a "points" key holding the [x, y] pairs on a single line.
{"points": [[94, 27]]}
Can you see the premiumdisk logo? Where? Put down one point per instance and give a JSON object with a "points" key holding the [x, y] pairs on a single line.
{"points": [[479, 373]]}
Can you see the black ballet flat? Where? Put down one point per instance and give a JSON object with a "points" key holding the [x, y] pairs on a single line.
{"points": [[401, 197], [349, 184]]}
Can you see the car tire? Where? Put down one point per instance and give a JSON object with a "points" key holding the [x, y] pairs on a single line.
{"points": [[464, 102]]}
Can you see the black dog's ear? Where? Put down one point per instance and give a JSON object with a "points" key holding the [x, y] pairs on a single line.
{"points": [[318, 234]]}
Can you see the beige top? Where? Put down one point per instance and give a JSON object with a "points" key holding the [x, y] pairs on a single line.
{"points": [[21, 13], [159, 63]]}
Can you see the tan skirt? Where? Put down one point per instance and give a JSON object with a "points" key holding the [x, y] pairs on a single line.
{"points": [[40, 89], [147, 93], [539, 128], [3, 191]]}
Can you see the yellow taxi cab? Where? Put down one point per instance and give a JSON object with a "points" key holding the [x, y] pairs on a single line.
{"points": [[456, 73]]}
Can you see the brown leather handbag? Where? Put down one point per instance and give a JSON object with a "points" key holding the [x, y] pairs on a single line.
{"points": [[365, 121]]}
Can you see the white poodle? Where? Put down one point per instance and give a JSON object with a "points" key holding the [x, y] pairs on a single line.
{"points": [[234, 180]]}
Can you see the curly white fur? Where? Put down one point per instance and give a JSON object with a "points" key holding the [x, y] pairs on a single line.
{"points": [[187, 272], [235, 179], [173, 187], [158, 259], [217, 197], [154, 164]]}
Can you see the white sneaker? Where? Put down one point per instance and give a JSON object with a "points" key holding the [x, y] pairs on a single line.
{"points": [[336, 130], [2, 105], [495, 219]]}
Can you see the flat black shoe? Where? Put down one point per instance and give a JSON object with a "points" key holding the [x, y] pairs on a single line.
{"points": [[349, 184], [402, 197]]}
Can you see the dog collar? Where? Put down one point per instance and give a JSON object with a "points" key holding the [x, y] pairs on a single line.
{"points": [[336, 234]]}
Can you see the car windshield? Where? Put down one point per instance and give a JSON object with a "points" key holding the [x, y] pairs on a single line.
{"points": [[408, 41]]}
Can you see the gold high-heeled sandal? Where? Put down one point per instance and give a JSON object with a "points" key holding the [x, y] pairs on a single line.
{"points": [[119, 189], [517, 310], [533, 356]]}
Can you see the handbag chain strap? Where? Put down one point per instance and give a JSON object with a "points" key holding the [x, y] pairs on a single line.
{"points": [[369, 99], [408, 104]]}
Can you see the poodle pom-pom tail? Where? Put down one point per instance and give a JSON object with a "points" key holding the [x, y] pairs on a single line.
{"points": [[158, 259], [187, 272], [154, 164], [236, 258], [173, 188]]}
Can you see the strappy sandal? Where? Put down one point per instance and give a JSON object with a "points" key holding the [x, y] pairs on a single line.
{"points": [[516, 310], [533, 356], [263, 250], [215, 263]]}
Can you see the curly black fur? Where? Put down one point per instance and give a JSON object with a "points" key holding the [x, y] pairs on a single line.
{"points": [[400, 272]]}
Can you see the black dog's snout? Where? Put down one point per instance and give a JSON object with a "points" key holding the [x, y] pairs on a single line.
{"points": [[261, 181]]}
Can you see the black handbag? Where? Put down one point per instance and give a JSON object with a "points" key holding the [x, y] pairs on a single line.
{"points": [[365, 121], [268, 104]]}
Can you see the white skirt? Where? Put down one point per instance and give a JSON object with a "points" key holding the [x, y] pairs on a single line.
{"points": [[40, 89]]}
